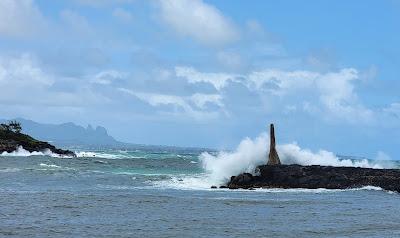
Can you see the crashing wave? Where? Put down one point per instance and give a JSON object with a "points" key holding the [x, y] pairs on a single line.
{"points": [[21, 152], [251, 153]]}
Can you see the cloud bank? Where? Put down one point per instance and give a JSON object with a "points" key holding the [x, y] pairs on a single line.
{"points": [[199, 20], [20, 18]]}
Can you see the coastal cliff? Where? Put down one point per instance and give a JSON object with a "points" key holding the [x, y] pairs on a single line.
{"points": [[10, 140], [276, 175]]}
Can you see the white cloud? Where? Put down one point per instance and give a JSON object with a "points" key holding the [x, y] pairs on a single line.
{"points": [[122, 15], [193, 106], [281, 82], [337, 87], [218, 80], [338, 95], [163, 99], [19, 18], [334, 91], [201, 100], [199, 20], [24, 81], [23, 71], [107, 77]]}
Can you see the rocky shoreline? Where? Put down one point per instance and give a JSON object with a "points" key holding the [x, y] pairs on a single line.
{"points": [[276, 175], [315, 176], [10, 141]]}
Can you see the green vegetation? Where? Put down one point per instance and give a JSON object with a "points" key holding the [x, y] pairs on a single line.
{"points": [[11, 138], [12, 126], [12, 131]]}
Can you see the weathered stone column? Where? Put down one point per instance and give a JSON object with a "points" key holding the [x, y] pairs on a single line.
{"points": [[273, 158]]}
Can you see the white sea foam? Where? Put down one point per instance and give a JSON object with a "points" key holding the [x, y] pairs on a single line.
{"points": [[98, 155], [197, 182], [308, 190], [202, 182], [49, 165], [85, 154], [316, 190], [251, 153], [89, 154], [21, 152]]}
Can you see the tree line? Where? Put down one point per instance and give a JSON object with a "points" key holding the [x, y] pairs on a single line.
{"points": [[13, 126]]}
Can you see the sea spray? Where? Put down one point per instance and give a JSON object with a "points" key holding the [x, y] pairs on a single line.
{"points": [[248, 155], [21, 152], [251, 153], [293, 154]]}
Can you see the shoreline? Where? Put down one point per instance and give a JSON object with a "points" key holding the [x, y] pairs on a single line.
{"points": [[11, 141], [316, 176]]}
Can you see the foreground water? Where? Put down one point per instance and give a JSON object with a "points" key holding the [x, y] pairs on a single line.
{"points": [[156, 193]]}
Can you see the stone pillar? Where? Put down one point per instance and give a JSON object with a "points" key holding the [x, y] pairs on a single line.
{"points": [[273, 158]]}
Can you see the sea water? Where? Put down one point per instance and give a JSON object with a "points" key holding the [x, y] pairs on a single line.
{"points": [[166, 193]]}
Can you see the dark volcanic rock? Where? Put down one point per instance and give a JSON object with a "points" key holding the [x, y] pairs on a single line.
{"points": [[315, 176], [245, 179], [10, 141]]}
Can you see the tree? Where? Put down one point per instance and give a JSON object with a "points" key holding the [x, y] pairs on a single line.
{"points": [[4, 127], [15, 126], [11, 126]]}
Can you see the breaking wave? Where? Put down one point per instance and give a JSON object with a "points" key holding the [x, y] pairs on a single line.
{"points": [[251, 153], [21, 152], [88, 154]]}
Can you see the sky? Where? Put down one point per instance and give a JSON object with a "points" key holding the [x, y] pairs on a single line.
{"points": [[208, 73]]}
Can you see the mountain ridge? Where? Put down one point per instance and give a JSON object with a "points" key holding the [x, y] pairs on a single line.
{"points": [[67, 134]]}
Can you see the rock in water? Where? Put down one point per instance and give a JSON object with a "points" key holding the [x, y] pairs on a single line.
{"points": [[245, 179], [10, 141], [276, 175], [273, 158], [315, 176]]}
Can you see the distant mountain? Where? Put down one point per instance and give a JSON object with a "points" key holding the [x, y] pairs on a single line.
{"points": [[67, 133]]}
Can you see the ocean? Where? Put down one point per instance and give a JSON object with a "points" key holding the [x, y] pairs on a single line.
{"points": [[166, 193]]}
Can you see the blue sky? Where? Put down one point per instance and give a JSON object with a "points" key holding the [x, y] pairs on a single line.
{"points": [[208, 73]]}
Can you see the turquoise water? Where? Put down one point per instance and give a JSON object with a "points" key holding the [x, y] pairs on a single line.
{"points": [[166, 193]]}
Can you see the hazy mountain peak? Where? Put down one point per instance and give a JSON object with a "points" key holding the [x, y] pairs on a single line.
{"points": [[67, 133]]}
